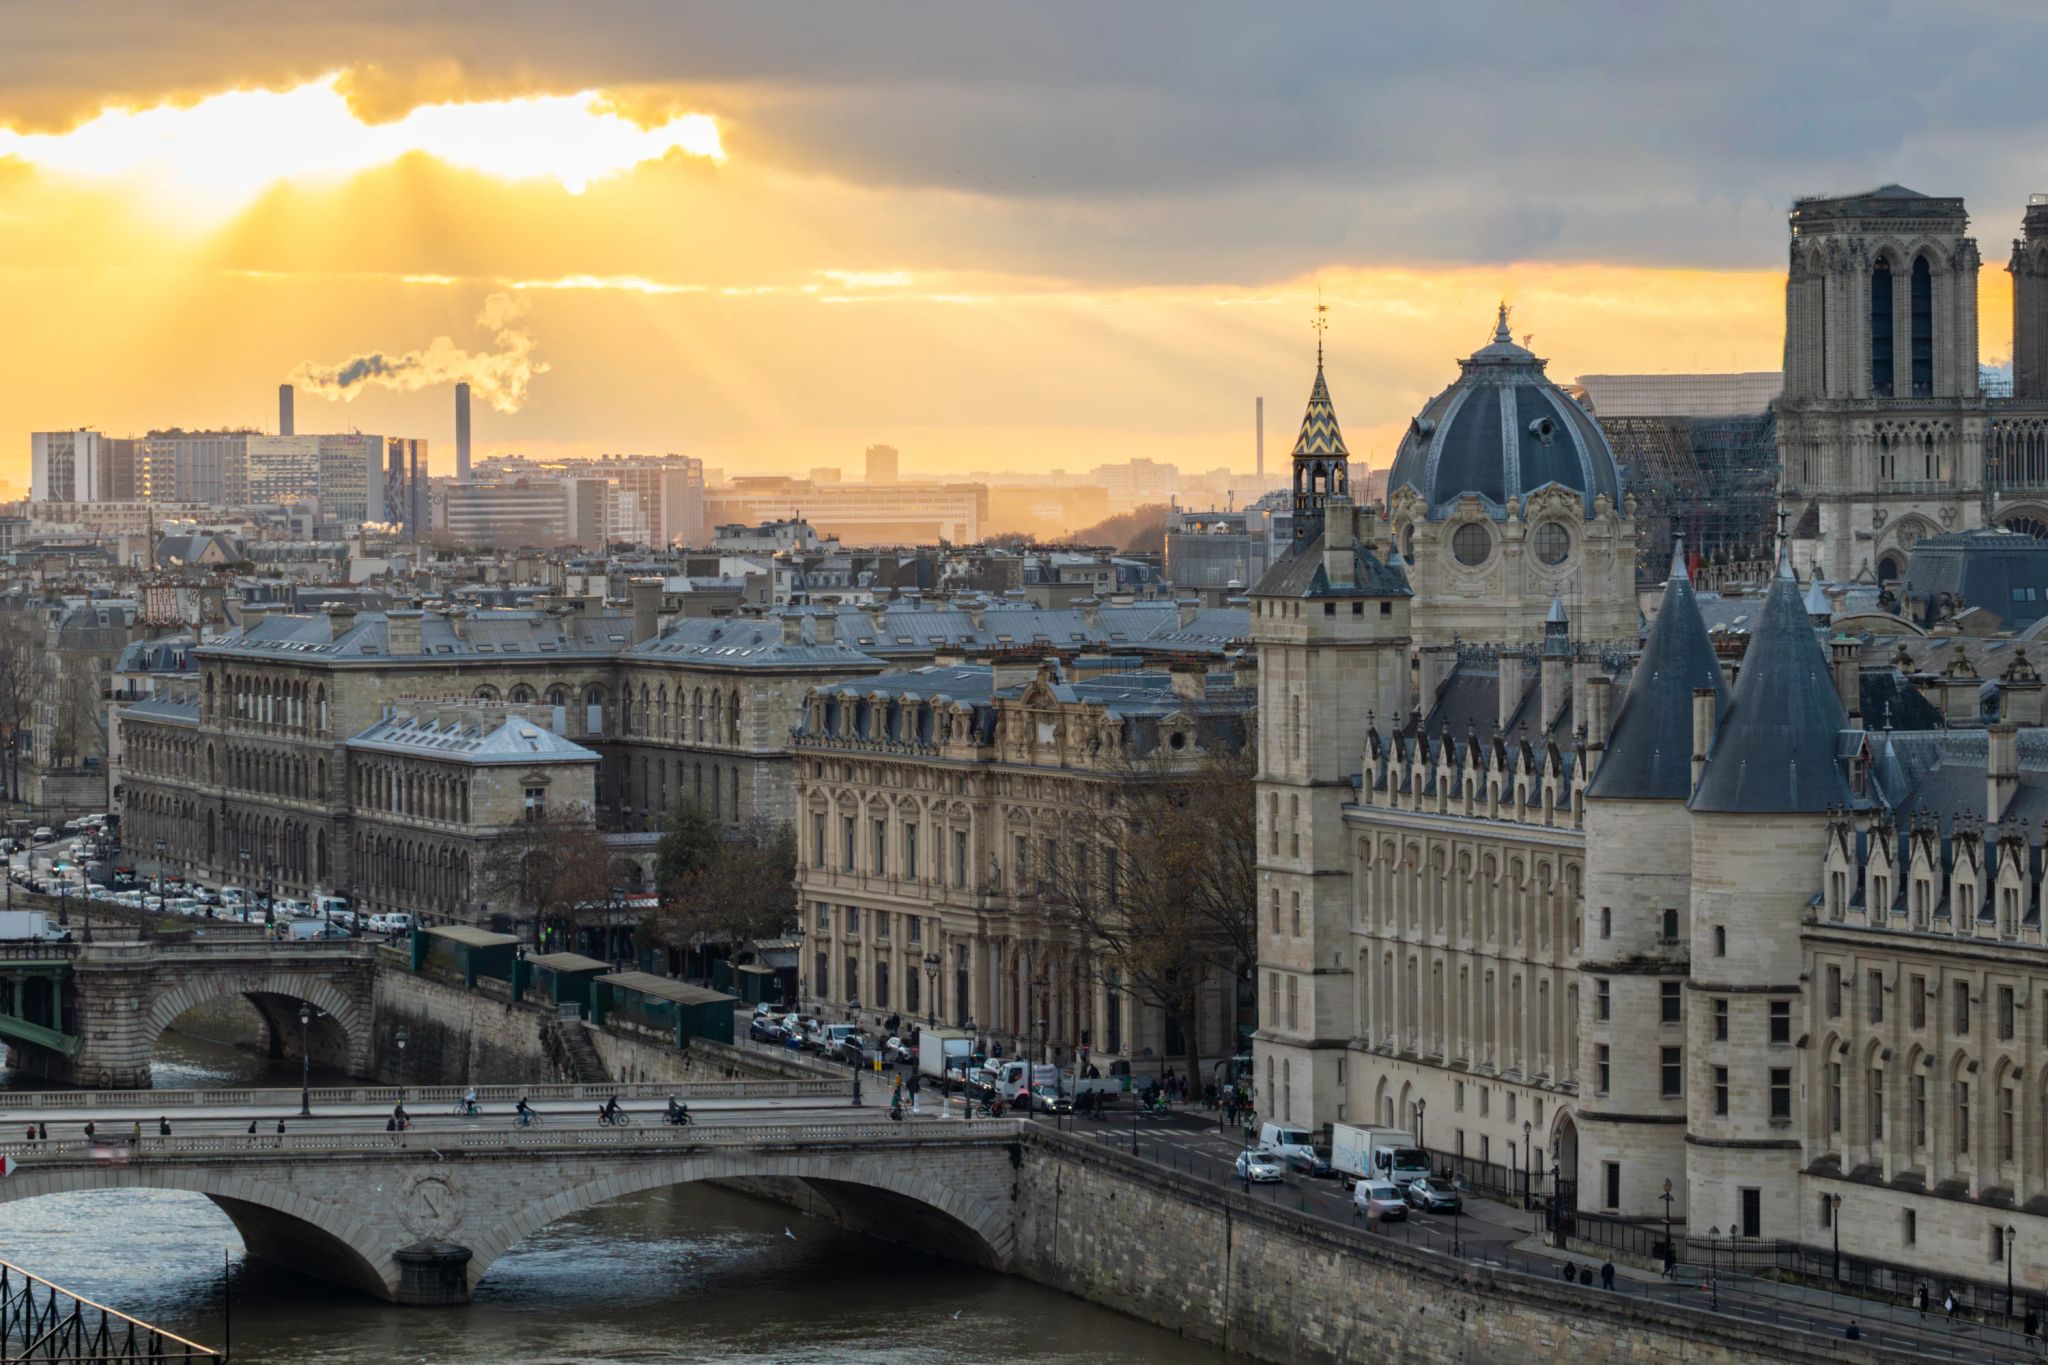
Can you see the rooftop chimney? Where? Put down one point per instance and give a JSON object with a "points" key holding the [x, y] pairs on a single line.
{"points": [[284, 411], [1339, 562], [646, 609], [1191, 681], [1599, 698], [1705, 711], [402, 632], [1846, 655], [340, 621], [462, 433], [2001, 769], [792, 627], [825, 626], [2019, 692], [1186, 608], [1510, 668]]}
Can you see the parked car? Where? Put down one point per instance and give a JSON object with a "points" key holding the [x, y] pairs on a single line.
{"points": [[764, 1029], [1259, 1167], [899, 1051], [852, 1047], [1046, 1099], [1380, 1198], [1434, 1194], [43, 834]]}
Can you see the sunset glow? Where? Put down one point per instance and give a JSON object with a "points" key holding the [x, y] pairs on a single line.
{"points": [[234, 144]]}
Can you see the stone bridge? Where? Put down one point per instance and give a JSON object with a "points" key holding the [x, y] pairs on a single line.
{"points": [[420, 1217], [91, 1013]]}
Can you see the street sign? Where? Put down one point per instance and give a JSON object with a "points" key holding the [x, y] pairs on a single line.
{"points": [[7, 1165]]}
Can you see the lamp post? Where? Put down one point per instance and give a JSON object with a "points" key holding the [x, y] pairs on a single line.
{"points": [[305, 1060], [1670, 1252], [2010, 1233], [403, 1039], [160, 847], [1833, 1224], [247, 867], [931, 997], [1421, 1109], [1528, 1155], [801, 979]]}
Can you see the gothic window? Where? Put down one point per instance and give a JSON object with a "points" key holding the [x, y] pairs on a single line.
{"points": [[1923, 329], [1881, 329]]}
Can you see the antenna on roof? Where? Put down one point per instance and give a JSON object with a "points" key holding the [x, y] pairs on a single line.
{"points": [[1321, 323]]}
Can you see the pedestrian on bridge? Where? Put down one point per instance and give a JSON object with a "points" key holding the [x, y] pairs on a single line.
{"points": [[31, 1132], [42, 1132], [89, 1130], [252, 1128], [163, 1127], [280, 1126]]}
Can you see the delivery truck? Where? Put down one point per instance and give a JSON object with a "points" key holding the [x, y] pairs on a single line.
{"points": [[1362, 1151], [940, 1049]]}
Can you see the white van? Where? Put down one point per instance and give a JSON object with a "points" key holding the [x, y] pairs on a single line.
{"points": [[233, 897], [1285, 1140], [334, 908]]}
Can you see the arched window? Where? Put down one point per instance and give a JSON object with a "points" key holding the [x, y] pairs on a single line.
{"points": [[1923, 329], [1881, 329]]}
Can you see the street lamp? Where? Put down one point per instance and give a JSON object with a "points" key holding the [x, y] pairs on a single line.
{"points": [[402, 1039], [1528, 1155], [270, 892], [160, 847], [1421, 1109], [1670, 1252], [931, 997], [2010, 1233], [247, 867], [1834, 1202], [305, 1060]]}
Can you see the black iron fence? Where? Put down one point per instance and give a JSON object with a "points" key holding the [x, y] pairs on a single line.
{"points": [[1510, 1184], [46, 1322]]}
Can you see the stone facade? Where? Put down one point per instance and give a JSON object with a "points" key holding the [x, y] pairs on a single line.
{"points": [[936, 810]]}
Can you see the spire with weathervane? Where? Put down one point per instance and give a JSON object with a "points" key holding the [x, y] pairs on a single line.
{"points": [[1321, 463]]}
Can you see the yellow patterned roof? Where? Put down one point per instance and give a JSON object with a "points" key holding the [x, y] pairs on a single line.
{"points": [[1320, 438]]}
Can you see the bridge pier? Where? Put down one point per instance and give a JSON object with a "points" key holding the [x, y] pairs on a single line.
{"points": [[432, 1274]]}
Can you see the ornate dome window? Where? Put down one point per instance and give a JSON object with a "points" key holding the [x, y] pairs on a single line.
{"points": [[1471, 544], [1553, 543]]}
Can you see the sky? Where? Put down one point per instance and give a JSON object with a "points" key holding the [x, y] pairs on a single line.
{"points": [[1035, 236]]}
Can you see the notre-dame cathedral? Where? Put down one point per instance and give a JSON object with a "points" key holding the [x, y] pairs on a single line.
{"points": [[1885, 434]]}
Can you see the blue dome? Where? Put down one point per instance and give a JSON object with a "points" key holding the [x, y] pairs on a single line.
{"points": [[1503, 430]]}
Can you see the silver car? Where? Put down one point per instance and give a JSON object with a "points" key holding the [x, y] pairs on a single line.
{"points": [[1259, 1167], [1380, 1199]]}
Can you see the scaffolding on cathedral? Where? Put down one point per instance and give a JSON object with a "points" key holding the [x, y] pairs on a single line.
{"points": [[1713, 480]]}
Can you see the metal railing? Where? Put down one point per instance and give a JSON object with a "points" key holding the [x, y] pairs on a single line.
{"points": [[647, 1132], [15, 1103], [47, 1323]]}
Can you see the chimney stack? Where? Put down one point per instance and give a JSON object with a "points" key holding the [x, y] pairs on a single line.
{"points": [[340, 621], [792, 626], [2019, 692], [825, 625], [285, 420], [462, 433], [1190, 681], [1510, 668], [1599, 698], [1846, 655], [1705, 712], [402, 632], [2001, 769], [1339, 565], [646, 609]]}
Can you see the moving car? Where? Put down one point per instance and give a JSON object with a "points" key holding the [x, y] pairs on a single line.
{"points": [[1310, 1162], [1046, 1099], [1380, 1199], [1259, 1167], [1434, 1194]]}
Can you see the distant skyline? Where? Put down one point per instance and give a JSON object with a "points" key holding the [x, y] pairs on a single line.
{"points": [[991, 236]]}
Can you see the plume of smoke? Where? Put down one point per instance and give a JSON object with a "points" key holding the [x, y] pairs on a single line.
{"points": [[499, 377]]}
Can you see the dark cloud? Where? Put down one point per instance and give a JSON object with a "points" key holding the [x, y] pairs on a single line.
{"points": [[1170, 138]]}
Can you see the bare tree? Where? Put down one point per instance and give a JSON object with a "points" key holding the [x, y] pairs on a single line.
{"points": [[1157, 878], [22, 647], [556, 871], [744, 890]]}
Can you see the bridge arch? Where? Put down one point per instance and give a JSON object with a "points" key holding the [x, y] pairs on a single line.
{"points": [[343, 1027], [974, 1225]]}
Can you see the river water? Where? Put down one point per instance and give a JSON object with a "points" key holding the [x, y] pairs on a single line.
{"points": [[693, 1273]]}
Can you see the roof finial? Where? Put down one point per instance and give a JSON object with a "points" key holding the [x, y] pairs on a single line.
{"points": [[1321, 324], [1500, 329], [1679, 567], [1785, 545]]}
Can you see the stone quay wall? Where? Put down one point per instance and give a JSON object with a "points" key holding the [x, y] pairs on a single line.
{"points": [[1229, 1271]]}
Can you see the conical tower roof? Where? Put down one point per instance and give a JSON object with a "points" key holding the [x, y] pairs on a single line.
{"points": [[1775, 751], [1649, 749], [1320, 439]]}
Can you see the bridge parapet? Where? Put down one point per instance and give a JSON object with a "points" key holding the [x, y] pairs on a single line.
{"points": [[122, 1101]]}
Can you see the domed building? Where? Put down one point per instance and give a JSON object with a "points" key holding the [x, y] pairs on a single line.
{"points": [[1504, 496]]}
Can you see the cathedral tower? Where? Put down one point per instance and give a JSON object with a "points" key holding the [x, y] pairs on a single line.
{"points": [[1880, 426], [2029, 267]]}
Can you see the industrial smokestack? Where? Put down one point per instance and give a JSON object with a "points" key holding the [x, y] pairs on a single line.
{"points": [[284, 410], [1259, 421], [462, 433]]}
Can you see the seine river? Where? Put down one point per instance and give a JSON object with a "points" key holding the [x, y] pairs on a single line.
{"points": [[692, 1273]]}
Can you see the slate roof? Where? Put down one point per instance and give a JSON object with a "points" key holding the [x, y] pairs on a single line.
{"points": [[1301, 573], [1320, 437], [174, 707], [1502, 430], [486, 739], [1776, 749], [1649, 745]]}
